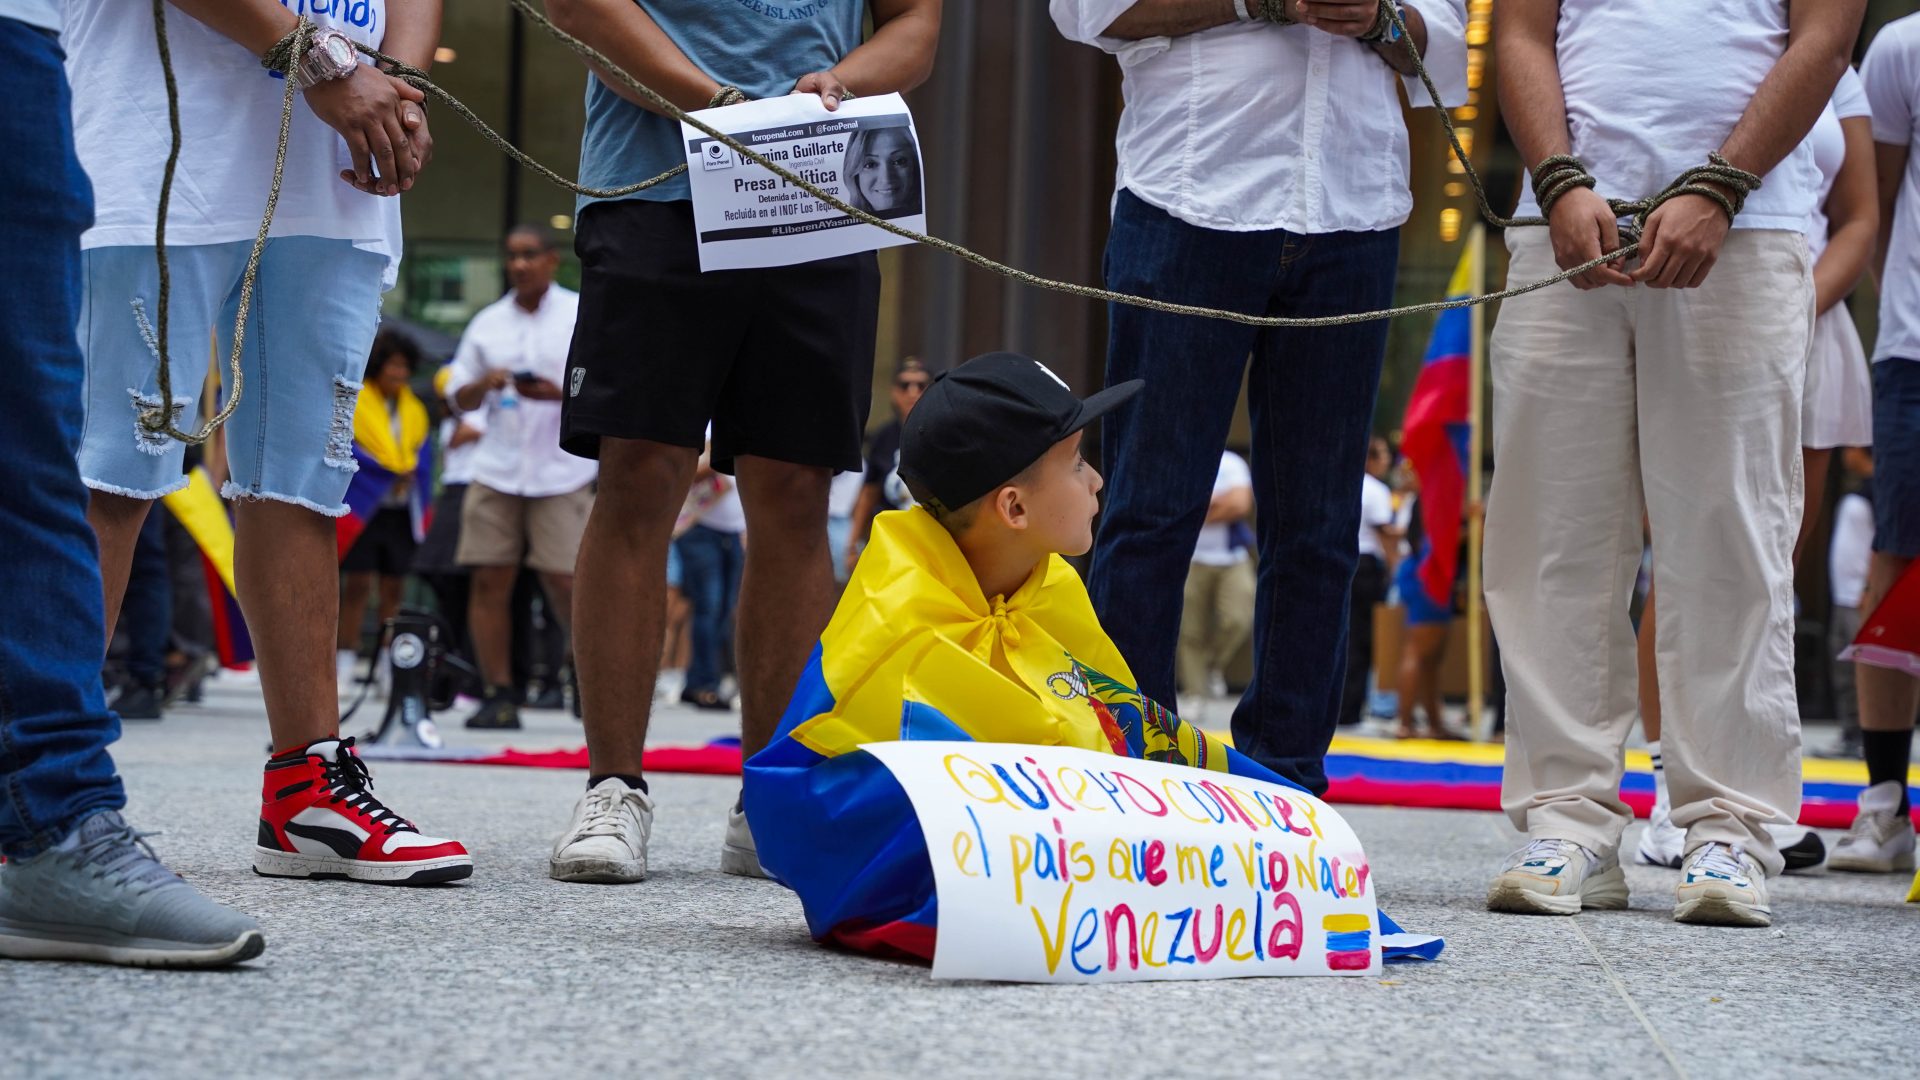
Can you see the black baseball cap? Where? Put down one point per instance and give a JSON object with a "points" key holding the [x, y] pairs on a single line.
{"points": [[984, 422]]}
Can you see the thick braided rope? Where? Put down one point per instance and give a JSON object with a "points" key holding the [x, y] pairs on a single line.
{"points": [[287, 53]]}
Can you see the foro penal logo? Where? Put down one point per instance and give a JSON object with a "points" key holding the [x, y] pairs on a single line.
{"points": [[716, 156]]}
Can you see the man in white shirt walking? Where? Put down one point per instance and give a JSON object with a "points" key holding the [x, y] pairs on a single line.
{"points": [[1263, 169], [1672, 382], [1217, 613], [529, 500]]}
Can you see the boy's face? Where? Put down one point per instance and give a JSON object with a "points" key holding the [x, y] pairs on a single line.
{"points": [[1061, 500]]}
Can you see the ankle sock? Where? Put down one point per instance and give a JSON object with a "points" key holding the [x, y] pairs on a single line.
{"points": [[1659, 775], [628, 779], [1888, 754]]}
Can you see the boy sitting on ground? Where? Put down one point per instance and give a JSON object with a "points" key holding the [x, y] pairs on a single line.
{"points": [[963, 608]]}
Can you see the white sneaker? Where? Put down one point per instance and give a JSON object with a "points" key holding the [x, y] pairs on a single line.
{"points": [[1800, 848], [1558, 877], [1881, 839], [1721, 885], [607, 840], [1662, 843], [739, 855]]}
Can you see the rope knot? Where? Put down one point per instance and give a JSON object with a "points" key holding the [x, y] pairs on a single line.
{"points": [[1719, 180], [1557, 175], [1003, 623]]}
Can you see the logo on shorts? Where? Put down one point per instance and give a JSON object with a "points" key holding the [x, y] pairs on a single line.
{"points": [[716, 157], [573, 384]]}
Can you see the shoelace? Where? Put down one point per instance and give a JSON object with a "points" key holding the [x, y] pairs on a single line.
{"points": [[122, 855], [347, 780], [1721, 859], [603, 814], [1544, 848]]}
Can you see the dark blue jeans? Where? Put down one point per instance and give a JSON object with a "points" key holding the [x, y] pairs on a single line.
{"points": [[148, 608], [710, 562], [1311, 395], [54, 723]]}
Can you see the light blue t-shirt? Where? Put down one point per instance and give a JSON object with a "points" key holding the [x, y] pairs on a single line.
{"points": [[760, 46], [44, 14]]}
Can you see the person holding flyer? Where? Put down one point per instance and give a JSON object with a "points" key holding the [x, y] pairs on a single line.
{"points": [[779, 361]]}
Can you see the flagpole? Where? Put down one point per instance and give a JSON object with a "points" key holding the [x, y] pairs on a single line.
{"points": [[1478, 720]]}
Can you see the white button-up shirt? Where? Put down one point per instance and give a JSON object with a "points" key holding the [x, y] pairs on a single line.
{"points": [[1254, 126], [520, 453]]}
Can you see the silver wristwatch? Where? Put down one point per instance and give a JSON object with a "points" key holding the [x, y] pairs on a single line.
{"points": [[329, 56]]}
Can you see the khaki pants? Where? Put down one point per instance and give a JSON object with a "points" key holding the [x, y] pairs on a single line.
{"points": [[1686, 401], [1215, 622]]}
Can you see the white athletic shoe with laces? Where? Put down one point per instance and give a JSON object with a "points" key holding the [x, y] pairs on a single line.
{"points": [[1881, 839], [1662, 843], [607, 840], [739, 855], [1721, 885], [1558, 877]]}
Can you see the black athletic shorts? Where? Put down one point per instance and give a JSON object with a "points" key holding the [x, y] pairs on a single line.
{"points": [[780, 359], [385, 546]]}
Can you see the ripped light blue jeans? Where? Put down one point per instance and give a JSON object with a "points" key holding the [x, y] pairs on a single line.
{"points": [[316, 306]]}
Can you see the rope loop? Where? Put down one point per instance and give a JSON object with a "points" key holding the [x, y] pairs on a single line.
{"points": [[1557, 175]]}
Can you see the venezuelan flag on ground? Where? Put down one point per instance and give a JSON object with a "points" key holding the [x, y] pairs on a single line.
{"points": [[1436, 432], [916, 651], [200, 510], [384, 460]]}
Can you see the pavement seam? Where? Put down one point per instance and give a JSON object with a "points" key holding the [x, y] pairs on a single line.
{"points": [[1666, 1051]]}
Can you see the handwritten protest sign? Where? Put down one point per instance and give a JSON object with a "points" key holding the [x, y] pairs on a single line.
{"points": [[866, 154], [1054, 864]]}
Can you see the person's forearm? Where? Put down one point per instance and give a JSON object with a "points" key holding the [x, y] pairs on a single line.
{"points": [[413, 32], [1795, 92], [899, 55], [1842, 263], [1532, 103], [1395, 54], [469, 397], [625, 34], [1172, 18]]}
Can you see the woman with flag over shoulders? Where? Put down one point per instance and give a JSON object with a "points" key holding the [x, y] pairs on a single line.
{"points": [[387, 501]]}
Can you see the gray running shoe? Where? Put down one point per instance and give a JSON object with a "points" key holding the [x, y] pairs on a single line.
{"points": [[102, 895]]}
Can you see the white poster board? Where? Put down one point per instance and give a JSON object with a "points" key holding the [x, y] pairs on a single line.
{"points": [[866, 154], [1053, 864]]}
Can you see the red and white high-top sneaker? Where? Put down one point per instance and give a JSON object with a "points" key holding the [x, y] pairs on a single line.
{"points": [[319, 819]]}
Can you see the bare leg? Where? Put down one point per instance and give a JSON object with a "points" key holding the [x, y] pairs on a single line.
{"points": [[1430, 647], [620, 595], [390, 590], [1408, 683], [559, 590], [1815, 464], [1649, 674], [678, 650], [354, 589], [286, 569], [1888, 698], [490, 621], [787, 591], [116, 521]]}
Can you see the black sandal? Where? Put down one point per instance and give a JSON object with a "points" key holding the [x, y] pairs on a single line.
{"points": [[710, 700]]}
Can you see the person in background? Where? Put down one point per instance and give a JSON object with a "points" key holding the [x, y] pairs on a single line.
{"points": [[1217, 613], [529, 500], [146, 620], [1849, 558], [1369, 579], [711, 554], [1881, 839], [390, 425], [842, 500], [882, 489], [1423, 645], [435, 561]]}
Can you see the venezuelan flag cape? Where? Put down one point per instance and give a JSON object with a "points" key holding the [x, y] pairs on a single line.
{"points": [[916, 651], [1435, 437], [384, 460], [199, 510]]}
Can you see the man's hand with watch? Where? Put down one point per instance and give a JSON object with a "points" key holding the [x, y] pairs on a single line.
{"points": [[1363, 20], [382, 119]]}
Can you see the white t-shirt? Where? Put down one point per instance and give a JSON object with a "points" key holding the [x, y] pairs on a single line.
{"points": [[1376, 513], [457, 461], [1255, 126], [1891, 73], [1215, 546], [44, 14], [1829, 143], [844, 493], [229, 127], [1850, 551], [1653, 85], [520, 453]]}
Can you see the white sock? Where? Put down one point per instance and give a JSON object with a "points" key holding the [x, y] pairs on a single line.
{"points": [[1660, 801]]}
